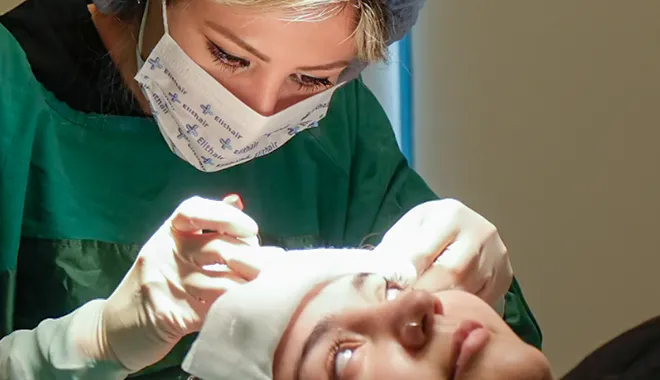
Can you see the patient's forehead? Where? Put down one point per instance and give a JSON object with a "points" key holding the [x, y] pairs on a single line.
{"points": [[335, 297]]}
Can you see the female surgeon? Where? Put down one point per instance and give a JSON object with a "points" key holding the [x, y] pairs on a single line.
{"points": [[116, 113]]}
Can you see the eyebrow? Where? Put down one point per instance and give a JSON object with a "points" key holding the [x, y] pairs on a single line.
{"points": [[322, 329], [238, 41], [359, 280], [325, 326], [327, 66], [228, 33]]}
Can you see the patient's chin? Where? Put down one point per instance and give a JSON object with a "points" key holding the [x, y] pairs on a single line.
{"points": [[528, 364]]}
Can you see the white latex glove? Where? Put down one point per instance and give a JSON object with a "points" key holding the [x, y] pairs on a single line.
{"points": [[164, 296], [452, 247], [167, 292]]}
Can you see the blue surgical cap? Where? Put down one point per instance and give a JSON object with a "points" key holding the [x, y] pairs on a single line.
{"points": [[403, 16], [403, 13]]}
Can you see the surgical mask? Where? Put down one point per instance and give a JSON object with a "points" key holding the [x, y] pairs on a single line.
{"points": [[203, 122]]}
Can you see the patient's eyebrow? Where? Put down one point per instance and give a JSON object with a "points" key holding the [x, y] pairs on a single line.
{"points": [[322, 329], [358, 281]]}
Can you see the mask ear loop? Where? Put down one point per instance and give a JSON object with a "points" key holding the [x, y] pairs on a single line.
{"points": [[164, 9], [143, 24], [141, 31]]}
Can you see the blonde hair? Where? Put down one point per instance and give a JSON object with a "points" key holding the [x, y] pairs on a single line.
{"points": [[371, 33]]}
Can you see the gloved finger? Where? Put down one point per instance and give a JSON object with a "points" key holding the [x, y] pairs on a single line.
{"points": [[463, 272], [206, 249], [501, 270], [207, 286], [197, 214], [437, 279], [461, 257], [434, 279], [421, 246], [469, 279], [249, 262], [234, 200], [498, 283], [252, 241], [487, 291]]}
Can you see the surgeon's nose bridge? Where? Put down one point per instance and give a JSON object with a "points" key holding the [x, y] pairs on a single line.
{"points": [[264, 94], [408, 319]]}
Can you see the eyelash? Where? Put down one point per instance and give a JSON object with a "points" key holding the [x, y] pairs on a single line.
{"points": [[311, 84], [232, 64], [341, 342], [396, 281], [226, 60], [337, 346]]}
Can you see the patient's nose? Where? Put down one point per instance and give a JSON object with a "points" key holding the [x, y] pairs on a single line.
{"points": [[412, 325]]}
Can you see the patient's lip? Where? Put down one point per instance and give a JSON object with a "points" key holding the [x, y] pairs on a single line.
{"points": [[469, 338]]}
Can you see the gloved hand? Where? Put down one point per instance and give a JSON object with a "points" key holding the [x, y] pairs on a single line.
{"points": [[452, 247], [166, 293]]}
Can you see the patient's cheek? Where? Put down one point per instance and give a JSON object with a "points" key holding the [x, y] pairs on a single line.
{"points": [[462, 305]]}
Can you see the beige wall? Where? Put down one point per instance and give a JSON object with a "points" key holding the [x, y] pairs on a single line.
{"points": [[545, 117], [6, 5]]}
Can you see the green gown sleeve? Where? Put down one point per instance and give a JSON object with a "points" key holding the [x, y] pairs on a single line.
{"points": [[385, 187], [20, 111], [52, 349]]}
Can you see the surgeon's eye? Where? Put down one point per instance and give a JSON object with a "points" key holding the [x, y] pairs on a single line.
{"points": [[340, 356], [393, 286], [311, 84], [226, 60]]}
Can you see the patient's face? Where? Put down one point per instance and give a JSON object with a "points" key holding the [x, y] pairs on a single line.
{"points": [[366, 327]]}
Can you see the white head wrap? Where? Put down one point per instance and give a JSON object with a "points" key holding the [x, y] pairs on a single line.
{"points": [[245, 325]]}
